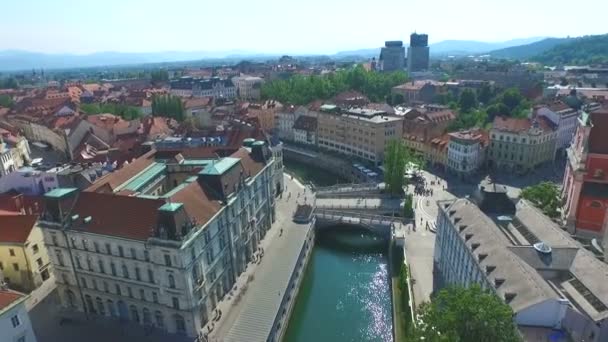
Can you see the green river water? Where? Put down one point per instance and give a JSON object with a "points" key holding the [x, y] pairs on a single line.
{"points": [[345, 294]]}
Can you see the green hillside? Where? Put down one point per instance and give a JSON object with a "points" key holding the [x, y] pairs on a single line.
{"points": [[529, 50], [577, 51]]}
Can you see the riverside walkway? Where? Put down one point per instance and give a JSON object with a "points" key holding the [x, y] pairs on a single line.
{"points": [[252, 313]]}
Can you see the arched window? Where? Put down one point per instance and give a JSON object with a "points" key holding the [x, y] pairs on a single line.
{"points": [[180, 324], [90, 306], [158, 317], [134, 314], [147, 316], [111, 309], [71, 298], [171, 281], [125, 271], [100, 307]]}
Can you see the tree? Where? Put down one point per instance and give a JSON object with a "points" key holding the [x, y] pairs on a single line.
{"points": [[497, 109], [408, 206], [301, 90], [168, 105], [459, 314], [511, 98], [6, 101], [159, 75], [544, 196], [467, 100], [396, 158], [9, 83], [485, 94], [124, 111]]}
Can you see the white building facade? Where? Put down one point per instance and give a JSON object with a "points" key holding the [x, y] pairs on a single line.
{"points": [[15, 325], [248, 87], [565, 120], [466, 152], [285, 119], [171, 274], [14, 153], [526, 260]]}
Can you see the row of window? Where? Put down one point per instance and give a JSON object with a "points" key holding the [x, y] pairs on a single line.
{"points": [[522, 140], [348, 149], [35, 249], [107, 249], [101, 268], [119, 310]]}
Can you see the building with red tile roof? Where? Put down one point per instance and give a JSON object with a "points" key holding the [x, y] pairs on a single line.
{"points": [[22, 252], [167, 219], [585, 188], [521, 144], [467, 151], [417, 92]]}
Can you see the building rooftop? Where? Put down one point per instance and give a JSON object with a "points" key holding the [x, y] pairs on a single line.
{"points": [[15, 229], [144, 177], [128, 217], [171, 207], [516, 251], [219, 167], [99, 209], [469, 136], [328, 107], [59, 192], [8, 297]]}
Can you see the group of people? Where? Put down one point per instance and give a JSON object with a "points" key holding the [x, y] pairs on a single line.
{"points": [[421, 190]]}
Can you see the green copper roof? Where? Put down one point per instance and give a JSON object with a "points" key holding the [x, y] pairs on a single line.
{"points": [[328, 107], [219, 167], [170, 207], [144, 177], [60, 192], [201, 162]]}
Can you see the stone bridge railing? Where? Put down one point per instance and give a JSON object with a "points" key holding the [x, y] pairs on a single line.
{"points": [[379, 224], [348, 187]]}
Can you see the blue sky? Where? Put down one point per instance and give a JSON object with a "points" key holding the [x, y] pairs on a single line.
{"points": [[281, 26]]}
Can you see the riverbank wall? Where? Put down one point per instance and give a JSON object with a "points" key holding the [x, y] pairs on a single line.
{"points": [[336, 166], [289, 298]]}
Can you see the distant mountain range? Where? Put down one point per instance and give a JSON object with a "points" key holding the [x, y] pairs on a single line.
{"points": [[529, 50], [578, 51], [452, 47], [464, 47], [12, 60], [526, 48]]}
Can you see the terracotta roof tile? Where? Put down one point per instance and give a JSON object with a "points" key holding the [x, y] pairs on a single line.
{"points": [[197, 203], [108, 215], [16, 229], [504, 123], [8, 297], [250, 165]]}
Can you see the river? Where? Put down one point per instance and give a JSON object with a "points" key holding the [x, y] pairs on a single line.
{"points": [[345, 294]]}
